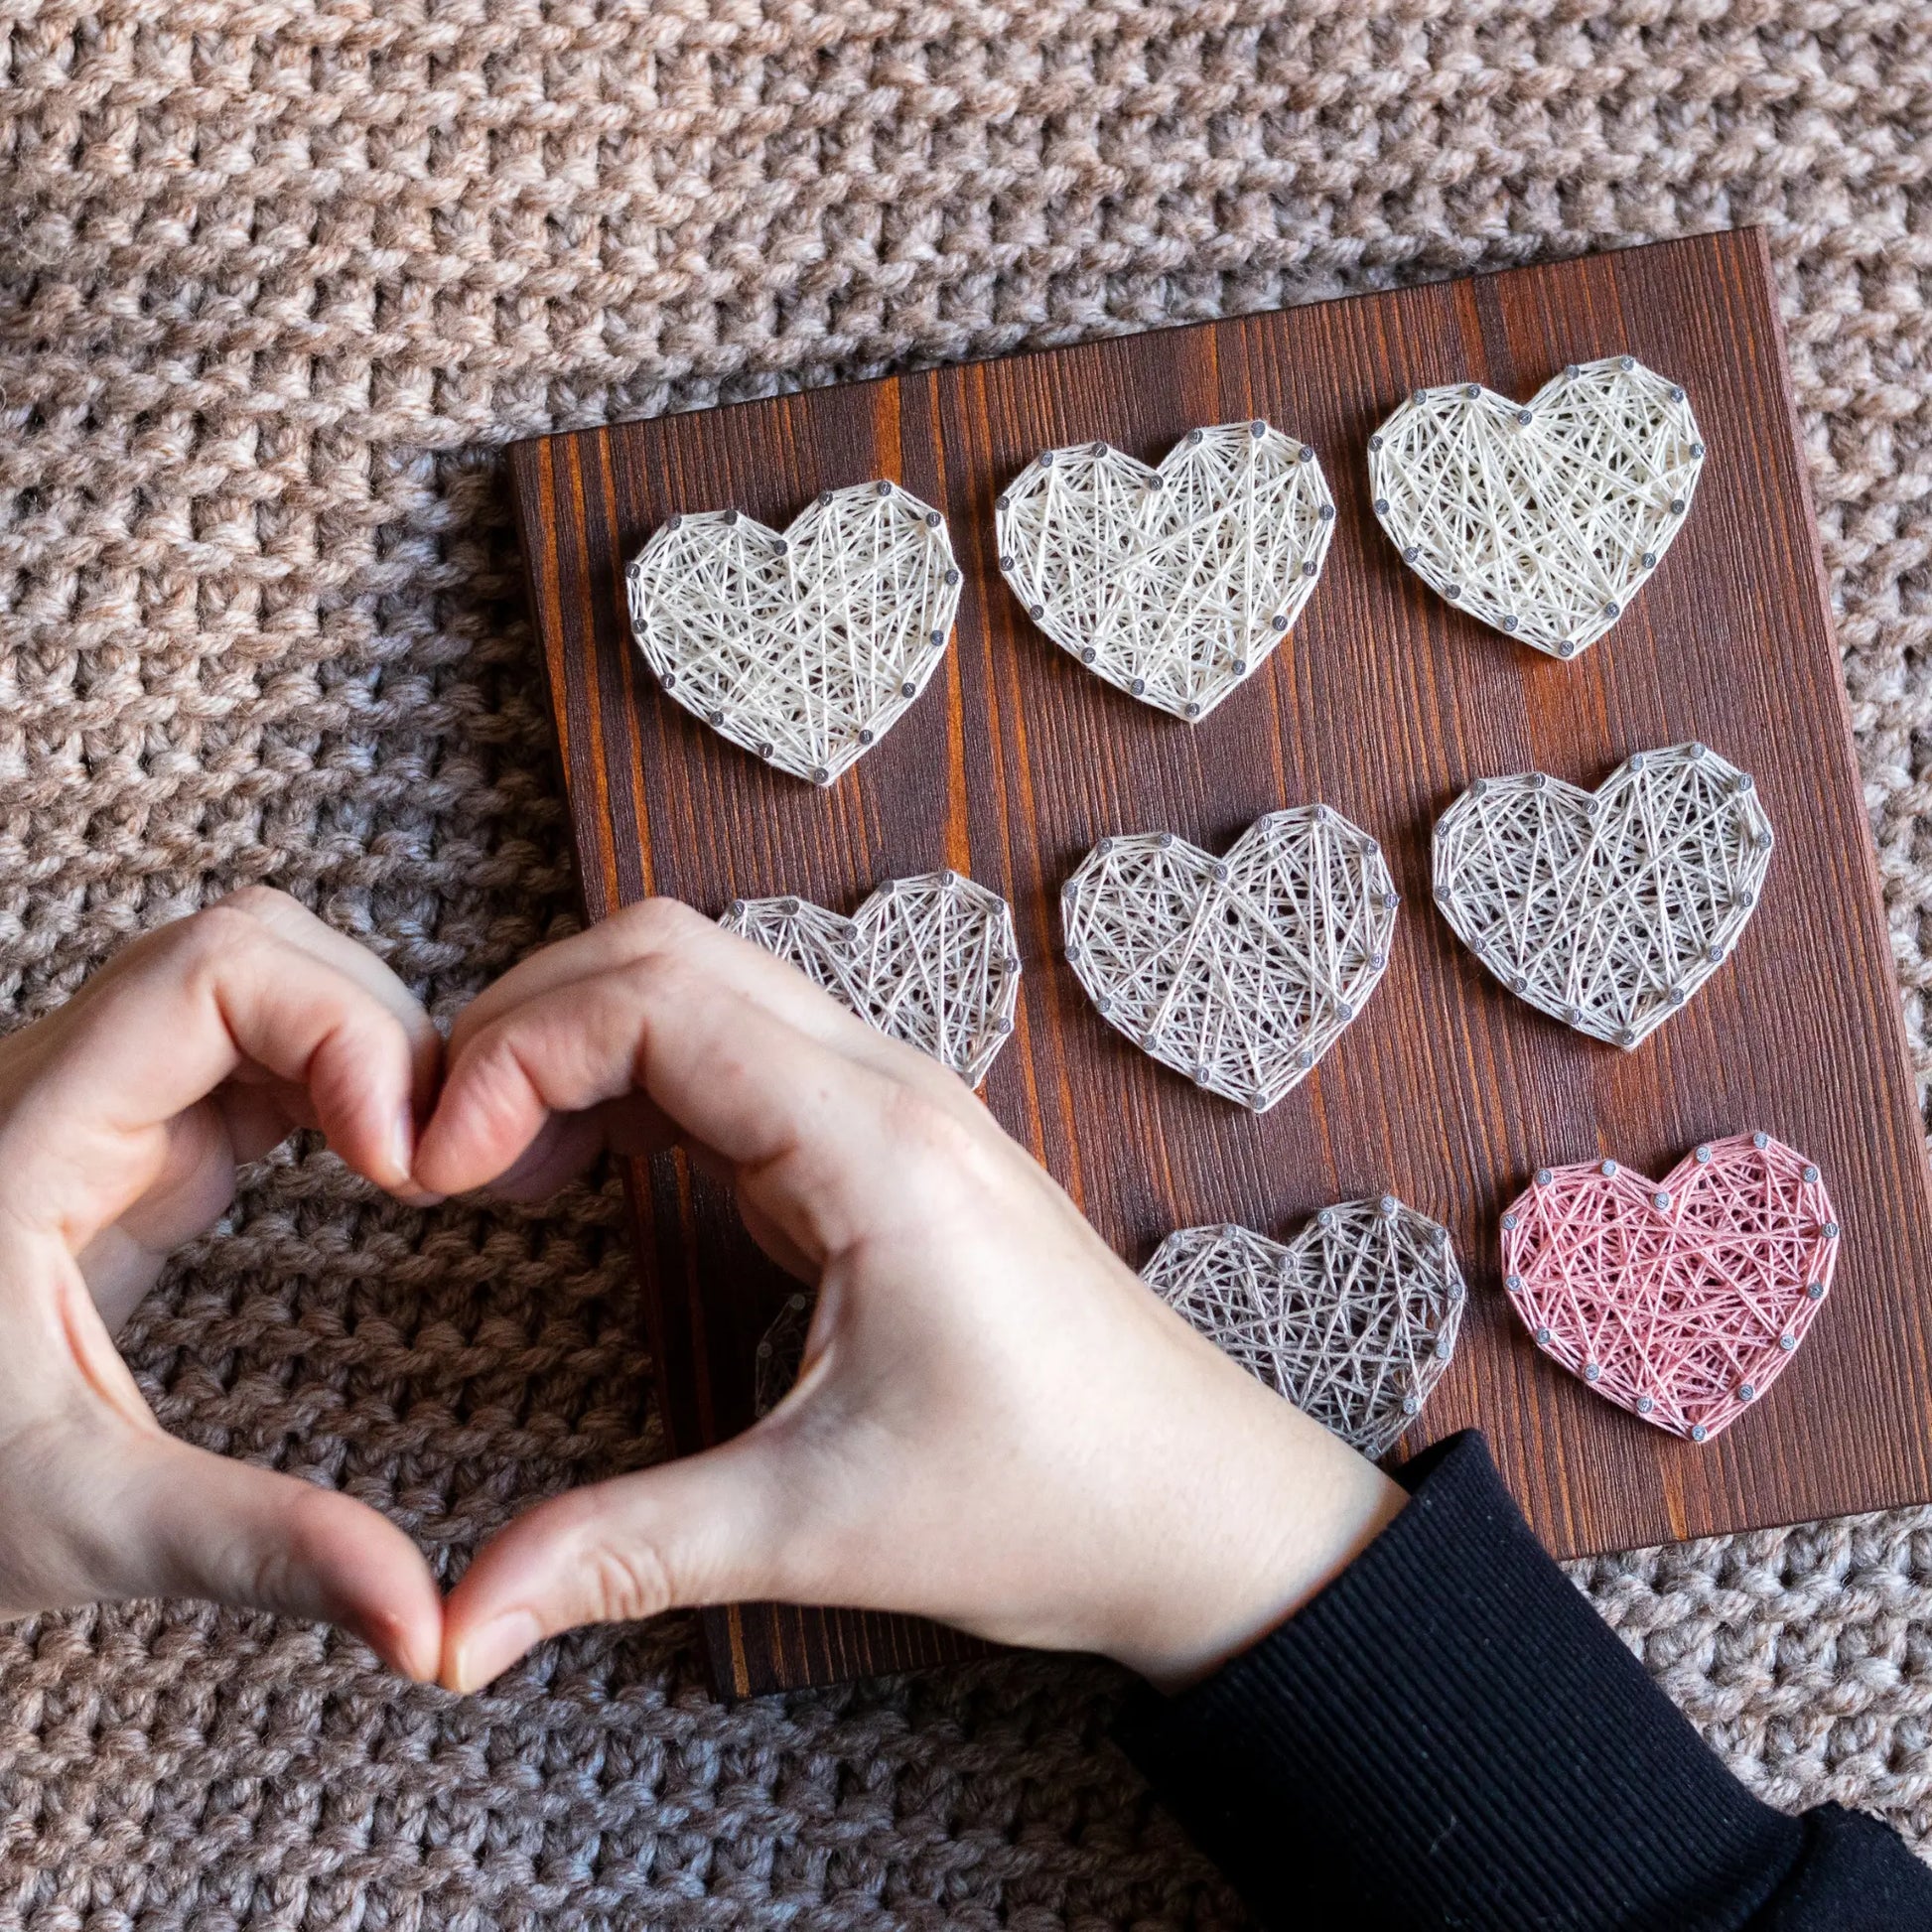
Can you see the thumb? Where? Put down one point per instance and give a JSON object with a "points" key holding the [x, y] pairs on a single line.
{"points": [[187, 1523], [708, 1529]]}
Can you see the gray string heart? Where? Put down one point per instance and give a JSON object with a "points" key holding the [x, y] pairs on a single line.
{"points": [[1238, 972], [1174, 584], [1353, 1321], [931, 960]]}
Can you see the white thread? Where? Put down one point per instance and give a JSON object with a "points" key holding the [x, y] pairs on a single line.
{"points": [[1353, 1321], [1239, 973], [931, 960], [1606, 909], [780, 1354], [1173, 584], [1544, 518], [804, 647]]}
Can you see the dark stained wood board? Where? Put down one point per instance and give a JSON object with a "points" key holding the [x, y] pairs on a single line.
{"points": [[1385, 702]]}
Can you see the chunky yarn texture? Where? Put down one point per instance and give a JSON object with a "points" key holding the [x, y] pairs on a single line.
{"points": [[277, 282]]}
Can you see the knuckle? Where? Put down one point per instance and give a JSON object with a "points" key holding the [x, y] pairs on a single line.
{"points": [[213, 939], [927, 1132], [655, 924], [278, 1570], [626, 1583], [266, 904]]}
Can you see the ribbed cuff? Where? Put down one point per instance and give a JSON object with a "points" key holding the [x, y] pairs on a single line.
{"points": [[1449, 1734]]}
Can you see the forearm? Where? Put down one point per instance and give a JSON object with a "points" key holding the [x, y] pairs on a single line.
{"points": [[1449, 1734]]}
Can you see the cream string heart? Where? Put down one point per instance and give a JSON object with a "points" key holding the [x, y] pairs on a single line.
{"points": [[1353, 1321], [1544, 518], [931, 960], [1174, 583], [804, 647], [1606, 909], [1681, 1300], [1239, 972]]}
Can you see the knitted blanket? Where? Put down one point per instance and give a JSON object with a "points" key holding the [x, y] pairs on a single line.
{"points": [[277, 282]]}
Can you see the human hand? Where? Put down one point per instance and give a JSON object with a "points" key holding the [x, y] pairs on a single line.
{"points": [[996, 1423], [122, 1119]]}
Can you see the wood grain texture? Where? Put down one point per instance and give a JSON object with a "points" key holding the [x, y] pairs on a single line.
{"points": [[1385, 702]]}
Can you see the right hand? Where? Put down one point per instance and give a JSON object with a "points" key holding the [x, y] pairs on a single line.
{"points": [[996, 1424], [122, 1119]]}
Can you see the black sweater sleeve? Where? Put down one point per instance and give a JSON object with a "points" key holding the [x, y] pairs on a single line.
{"points": [[1449, 1736]]}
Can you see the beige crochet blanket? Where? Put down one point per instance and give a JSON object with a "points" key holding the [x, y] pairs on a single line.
{"points": [[277, 281]]}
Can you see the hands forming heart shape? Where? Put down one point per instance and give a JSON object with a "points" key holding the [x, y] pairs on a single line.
{"points": [[955, 1283]]}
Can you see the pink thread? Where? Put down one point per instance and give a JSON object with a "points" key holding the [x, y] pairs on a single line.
{"points": [[1679, 1300]]}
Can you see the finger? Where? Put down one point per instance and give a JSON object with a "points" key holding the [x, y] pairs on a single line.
{"points": [[179, 1521], [665, 927], [289, 920], [204, 1000], [710, 1529], [564, 1147], [723, 1070]]}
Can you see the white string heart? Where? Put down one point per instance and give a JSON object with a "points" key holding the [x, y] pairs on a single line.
{"points": [[931, 960], [1544, 518], [804, 649], [1238, 972], [1353, 1321], [1606, 909], [1174, 583]]}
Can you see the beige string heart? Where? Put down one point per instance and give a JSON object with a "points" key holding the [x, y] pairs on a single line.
{"points": [[1353, 1321], [804, 649], [931, 960], [1544, 518], [1174, 583], [1238, 972], [1606, 909]]}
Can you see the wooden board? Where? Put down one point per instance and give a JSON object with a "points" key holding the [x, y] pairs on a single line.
{"points": [[1384, 702]]}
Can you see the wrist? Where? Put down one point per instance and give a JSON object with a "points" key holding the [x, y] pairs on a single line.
{"points": [[1285, 1523]]}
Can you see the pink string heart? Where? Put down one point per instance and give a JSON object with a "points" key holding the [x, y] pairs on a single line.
{"points": [[1679, 1300]]}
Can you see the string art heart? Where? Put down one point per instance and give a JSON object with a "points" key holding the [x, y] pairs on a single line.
{"points": [[931, 960], [1606, 909], [1353, 1321], [1679, 1300], [780, 1354], [802, 648], [1544, 518], [1172, 583], [1238, 972]]}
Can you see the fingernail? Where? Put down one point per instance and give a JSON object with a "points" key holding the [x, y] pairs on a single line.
{"points": [[490, 1651], [393, 1639], [403, 1152]]}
